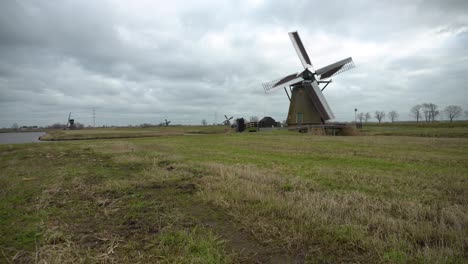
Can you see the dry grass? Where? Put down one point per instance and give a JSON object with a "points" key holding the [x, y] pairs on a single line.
{"points": [[349, 130], [351, 226], [58, 247], [317, 131]]}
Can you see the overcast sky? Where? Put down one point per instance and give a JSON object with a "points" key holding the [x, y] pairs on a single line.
{"points": [[143, 61]]}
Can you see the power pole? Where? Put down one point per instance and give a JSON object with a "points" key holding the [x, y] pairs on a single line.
{"points": [[94, 117]]}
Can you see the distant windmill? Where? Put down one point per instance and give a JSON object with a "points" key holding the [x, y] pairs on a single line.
{"points": [[166, 123], [70, 122], [227, 122], [307, 103]]}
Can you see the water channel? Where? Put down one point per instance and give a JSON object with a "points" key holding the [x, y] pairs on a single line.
{"points": [[20, 137]]}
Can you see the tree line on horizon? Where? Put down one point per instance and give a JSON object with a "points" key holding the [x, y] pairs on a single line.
{"points": [[427, 112]]}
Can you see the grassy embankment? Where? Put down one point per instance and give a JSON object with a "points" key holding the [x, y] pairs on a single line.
{"points": [[137, 132], [225, 198]]}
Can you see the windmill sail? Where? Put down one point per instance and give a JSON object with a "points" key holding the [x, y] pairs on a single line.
{"points": [[68, 120], [285, 81], [335, 68], [300, 50], [319, 101]]}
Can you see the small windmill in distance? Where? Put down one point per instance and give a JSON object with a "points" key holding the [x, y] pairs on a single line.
{"points": [[165, 123], [227, 122], [70, 122]]}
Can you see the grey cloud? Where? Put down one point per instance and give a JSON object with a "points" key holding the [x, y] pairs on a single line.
{"points": [[187, 61]]}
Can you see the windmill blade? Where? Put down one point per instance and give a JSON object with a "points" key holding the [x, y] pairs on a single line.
{"points": [[300, 50], [68, 120], [225, 116], [285, 81], [335, 68], [230, 118], [319, 101]]}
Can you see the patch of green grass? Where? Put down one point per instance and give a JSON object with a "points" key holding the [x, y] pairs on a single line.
{"points": [[193, 246], [395, 256]]}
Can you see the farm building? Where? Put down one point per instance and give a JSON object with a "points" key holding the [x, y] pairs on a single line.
{"points": [[267, 122]]}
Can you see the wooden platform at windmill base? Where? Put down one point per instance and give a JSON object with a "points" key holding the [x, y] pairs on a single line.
{"points": [[333, 129]]}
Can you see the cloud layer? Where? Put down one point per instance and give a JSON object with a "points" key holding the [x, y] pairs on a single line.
{"points": [[143, 61]]}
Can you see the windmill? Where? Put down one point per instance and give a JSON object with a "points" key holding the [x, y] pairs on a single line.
{"points": [[70, 123], [165, 123], [307, 103], [227, 122]]}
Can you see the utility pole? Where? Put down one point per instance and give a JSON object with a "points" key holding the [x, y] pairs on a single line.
{"points": [[355, 112], [94, 117]]}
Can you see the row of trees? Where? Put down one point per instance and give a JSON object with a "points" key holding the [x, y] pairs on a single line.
{"points": [[427, 111], [430, 111], [76, 125], [251, 119], [379, 115]]}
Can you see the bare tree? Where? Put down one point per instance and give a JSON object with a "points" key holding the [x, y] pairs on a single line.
{"points": [[145, 125], [434, 111], [379, 115], [203, 122], [466, 113], [416, 112], [78, 125], [453, 111], [393, 115], [367, 117], [254, 119], [431, 111], [56, 126], [425, 110], [360, 116]]}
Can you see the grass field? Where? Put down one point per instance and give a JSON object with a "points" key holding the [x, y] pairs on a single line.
{"points": [[422, 129], [190, 195]]}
